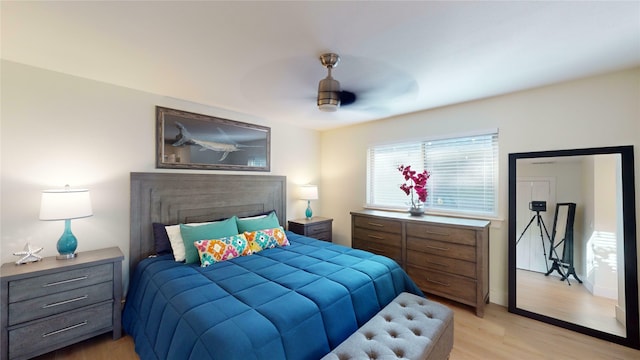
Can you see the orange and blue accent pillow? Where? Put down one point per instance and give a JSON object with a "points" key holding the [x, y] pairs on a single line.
{"points": [[216, 250], [266, 238]]}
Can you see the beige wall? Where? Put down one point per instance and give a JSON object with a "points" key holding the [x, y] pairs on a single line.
{"points": [[592, 112], [58, 129]]}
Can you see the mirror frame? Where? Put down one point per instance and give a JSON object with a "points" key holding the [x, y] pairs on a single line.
{"points": [[632, 338]]}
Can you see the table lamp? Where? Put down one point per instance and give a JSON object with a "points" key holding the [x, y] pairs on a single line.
{"points": [[309, 192], [65, 205]]}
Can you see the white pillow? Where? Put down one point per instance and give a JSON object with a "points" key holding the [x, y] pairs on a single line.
{"points": [[175, 238], [252, 217]]}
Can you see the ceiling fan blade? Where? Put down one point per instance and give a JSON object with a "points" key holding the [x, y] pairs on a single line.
{"points": [[347, 98]]}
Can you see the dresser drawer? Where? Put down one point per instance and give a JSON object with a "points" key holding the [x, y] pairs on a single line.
{"points": [[59, 329], [378, 224], [441, 248], [444, 264], [58, 282], [443, 233], [450, 286], [389, 251], [383, 238], [43, 306]]}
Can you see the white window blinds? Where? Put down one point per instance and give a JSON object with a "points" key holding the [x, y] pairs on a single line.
{"points": [[463, 174]]}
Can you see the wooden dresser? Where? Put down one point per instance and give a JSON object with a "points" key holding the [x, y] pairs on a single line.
{"points": [[445, 256], [53, 303]]}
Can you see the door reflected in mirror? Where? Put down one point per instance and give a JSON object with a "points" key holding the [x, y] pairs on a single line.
{"points": [[570, 228]]}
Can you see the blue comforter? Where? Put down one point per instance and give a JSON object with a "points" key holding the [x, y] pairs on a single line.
{"points": [[293, 302]]}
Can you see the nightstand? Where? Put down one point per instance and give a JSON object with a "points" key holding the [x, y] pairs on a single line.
{"points": [[316, 227], [50, 304]]}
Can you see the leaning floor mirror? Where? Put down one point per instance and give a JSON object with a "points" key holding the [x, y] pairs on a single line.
{"points": [[572, 241]]}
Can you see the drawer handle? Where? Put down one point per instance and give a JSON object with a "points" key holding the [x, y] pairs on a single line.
{"points": [[65, 329], [376, 237], [66, 281], [376, 250], [437, 233], [438, 282], [435, 264], [375, 224], [64, 302], [437, 248]]}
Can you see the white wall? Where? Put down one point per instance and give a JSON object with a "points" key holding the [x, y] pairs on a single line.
{"points": [[58, 129], [598, 111]]}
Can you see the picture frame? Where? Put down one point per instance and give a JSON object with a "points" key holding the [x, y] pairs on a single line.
{"points": [[186, 140]]}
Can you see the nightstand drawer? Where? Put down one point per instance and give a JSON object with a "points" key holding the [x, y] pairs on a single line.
{"points": [[318, 229], [59, 329], [62, 281], [59, 302], [322, 235]]}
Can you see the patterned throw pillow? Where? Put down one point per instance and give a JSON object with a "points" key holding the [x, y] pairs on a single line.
{"points": [[214, 230], [215, 250], [266, 238]]}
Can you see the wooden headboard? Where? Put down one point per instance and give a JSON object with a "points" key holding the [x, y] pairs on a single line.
{"points": [[173, 198]]}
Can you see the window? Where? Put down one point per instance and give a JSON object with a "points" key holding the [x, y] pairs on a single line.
{"points": [[463, 174]]}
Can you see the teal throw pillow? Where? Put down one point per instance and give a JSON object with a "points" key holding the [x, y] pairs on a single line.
{"points": [[215, 230], [258, 223]]}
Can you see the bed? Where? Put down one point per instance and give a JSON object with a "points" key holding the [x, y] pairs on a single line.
{"points": [[296, 301]]}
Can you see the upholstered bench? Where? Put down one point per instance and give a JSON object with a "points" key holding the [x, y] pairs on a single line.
{"points": [[410, 327]]}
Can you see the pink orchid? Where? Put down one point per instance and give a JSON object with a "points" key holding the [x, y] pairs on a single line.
{"points": [[416, 181]]}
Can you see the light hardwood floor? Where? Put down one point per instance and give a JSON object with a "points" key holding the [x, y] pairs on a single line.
{"points": [[549, 296], [499, 335]]}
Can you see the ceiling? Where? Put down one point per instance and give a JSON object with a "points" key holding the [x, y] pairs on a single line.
{"points": [[260, 59]]}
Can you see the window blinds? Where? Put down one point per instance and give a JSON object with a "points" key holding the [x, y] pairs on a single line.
{"points": [[463, 174]]}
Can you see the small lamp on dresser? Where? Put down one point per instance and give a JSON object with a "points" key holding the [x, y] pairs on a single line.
{"points": [[309, 192], [66, 204]]}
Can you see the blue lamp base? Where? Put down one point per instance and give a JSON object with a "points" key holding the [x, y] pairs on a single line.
{"points": [[67, 243], [308, 213]]}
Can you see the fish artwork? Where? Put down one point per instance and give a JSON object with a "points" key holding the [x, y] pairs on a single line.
{"points": [[185, 138]]}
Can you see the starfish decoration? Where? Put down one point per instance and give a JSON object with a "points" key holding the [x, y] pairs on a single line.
{"points": [[29, 254]]}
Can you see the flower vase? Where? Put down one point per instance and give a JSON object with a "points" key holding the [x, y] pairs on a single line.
{"points": [[416, 210]]}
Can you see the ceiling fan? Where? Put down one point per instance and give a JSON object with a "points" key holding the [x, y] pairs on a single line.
{"points": [[330, 96]]}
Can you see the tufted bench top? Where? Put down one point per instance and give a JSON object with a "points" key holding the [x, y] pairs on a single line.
{"points": [[410, 327]]}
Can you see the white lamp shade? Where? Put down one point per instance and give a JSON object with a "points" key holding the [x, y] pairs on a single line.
{"points": [[309, 192], [65, 204]]}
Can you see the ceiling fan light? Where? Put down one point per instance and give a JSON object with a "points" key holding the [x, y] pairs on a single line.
{"points": [[328, 107], [328, 94]]}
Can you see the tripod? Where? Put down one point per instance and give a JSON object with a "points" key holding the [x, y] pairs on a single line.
{"points": [[541, 225]]}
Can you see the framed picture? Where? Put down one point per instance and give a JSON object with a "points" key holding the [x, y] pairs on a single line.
{"points": [[186, 140]]}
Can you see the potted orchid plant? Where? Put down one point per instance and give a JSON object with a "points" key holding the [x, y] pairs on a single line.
{"points": [[415, 185]]}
